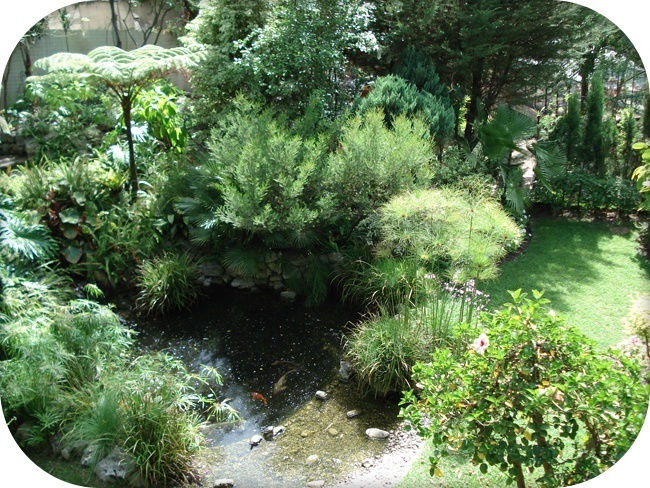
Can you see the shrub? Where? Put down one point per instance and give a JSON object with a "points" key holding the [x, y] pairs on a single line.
{"points": [[167, 282], [580, 189], [261, 184], [374, 163], [530, 392], [448, 231], [395, 96]]}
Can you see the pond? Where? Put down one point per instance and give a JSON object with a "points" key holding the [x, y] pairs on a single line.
{"points": [[274, 355]]}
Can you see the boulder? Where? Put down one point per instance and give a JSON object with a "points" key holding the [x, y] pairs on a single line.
{"points": [[117, 466], [353, 413], [345, 370], [288, 295]]}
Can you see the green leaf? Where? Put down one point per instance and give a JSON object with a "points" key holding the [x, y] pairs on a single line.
{"points": [[72, 253], [70, 231], [69, 216]]}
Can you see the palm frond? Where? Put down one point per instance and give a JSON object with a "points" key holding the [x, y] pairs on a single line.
{"points": [[550, 161]]}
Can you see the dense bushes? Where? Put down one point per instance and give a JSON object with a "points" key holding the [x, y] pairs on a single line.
{"points": [[530, 392], [426, 245], [373, 163], [580, 189], [66, 368]]}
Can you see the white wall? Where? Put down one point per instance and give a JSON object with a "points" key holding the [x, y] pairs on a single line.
{"points": [[90, 28]]}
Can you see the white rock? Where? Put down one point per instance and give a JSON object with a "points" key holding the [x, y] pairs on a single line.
{"points": [[313, 459], [223, 483], [377, 433], [353, 413], [321, 395]]}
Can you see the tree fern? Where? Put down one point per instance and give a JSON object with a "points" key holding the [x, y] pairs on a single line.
{"points": [[124, 73]]}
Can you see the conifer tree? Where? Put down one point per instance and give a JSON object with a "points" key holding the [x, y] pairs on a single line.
{"points": [[592, 147]]}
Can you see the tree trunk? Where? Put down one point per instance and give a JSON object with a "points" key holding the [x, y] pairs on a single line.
{"points": [[521, 482], [133, 172], [118, 41], [475, 96]]}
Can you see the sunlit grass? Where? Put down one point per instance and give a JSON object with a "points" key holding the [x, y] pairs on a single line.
{"points": [[589, 271]]}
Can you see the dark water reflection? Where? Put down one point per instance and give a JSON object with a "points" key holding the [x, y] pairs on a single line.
{"points": [[254, 340]]}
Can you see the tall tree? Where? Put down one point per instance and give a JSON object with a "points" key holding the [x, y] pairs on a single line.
{"points": [[492, 49], [592, 146], [303, 48], [124, 74], [219, 24]]}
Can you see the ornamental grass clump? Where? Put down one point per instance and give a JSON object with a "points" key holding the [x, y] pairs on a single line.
{"points": [[531, 396], [167, 282], [384, 348]]}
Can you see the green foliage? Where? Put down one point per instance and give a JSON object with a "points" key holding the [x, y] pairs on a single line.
{"points": [[62, 119], [67, 367], [98, 234], [641, 174], [123, 73], [447, 231], [580, 189], [383, 348], [217, 27], [592, 147], [158, 107], [417, 68], [374, 163], [260, 184], [395, 96], [167, 282], [500, 136], [530, 392], [569, 128], [303, 47], [22, 239], [628, 132]]}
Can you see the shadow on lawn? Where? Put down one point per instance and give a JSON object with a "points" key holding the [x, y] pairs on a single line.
{"points": [[563, 254]]}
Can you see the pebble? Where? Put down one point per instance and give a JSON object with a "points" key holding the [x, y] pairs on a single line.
{"points": [[223, 483], [321, 395], [313, 459], [304, 433], [353, 413], [377, 433], [316, 484], [333, 432]]}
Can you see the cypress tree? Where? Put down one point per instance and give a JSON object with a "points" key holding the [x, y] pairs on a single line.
{"points": [[593, 154]]}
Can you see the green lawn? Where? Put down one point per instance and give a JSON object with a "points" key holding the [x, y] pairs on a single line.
{"points": [[588, 270]]}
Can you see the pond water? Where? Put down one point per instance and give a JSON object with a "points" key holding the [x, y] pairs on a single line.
{"points": [[273, 356]]}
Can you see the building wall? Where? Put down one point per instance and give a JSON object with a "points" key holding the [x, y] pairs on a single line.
{"points": [[90, 28]]}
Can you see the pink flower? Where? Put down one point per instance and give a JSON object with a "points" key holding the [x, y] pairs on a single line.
{"points": [[481, 344]]}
